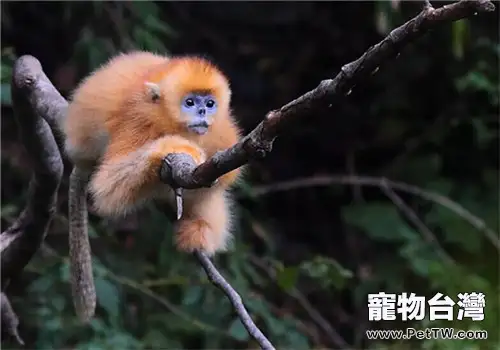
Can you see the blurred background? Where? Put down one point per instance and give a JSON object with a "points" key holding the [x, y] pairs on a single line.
{"points": [[307, 252]]}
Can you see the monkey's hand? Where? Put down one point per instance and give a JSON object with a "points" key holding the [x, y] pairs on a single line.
{"points": [[174, 144], [125, 180], [229, 178]]}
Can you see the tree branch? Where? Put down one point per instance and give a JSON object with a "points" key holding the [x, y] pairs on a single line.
{"points": [[259, 142], [315, 315], [33, 98], [38, 105], [9, 320], [218, 280], [416, 221], [327, 180], [179, 170]]}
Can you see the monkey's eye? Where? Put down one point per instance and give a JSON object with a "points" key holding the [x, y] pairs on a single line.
{"points": [[189, 102], [210, 103]]}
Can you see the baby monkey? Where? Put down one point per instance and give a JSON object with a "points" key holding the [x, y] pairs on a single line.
{"points": [[122, 121]]}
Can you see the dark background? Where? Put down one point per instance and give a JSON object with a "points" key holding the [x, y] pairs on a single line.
{"points": [[306, 257]]}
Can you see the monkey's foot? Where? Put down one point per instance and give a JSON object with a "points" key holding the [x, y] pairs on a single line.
{"points": [[195, 234]]}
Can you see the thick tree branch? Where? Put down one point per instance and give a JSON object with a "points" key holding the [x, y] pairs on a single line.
{"points": [[259, 142], [33, 98], [9, 320], [38, 105]]}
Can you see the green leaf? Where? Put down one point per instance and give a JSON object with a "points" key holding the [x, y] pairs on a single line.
{"points": [[52, 324], [276, 326], [120, 340], [455, 230], [477, 81], [327, 271], [297, 340], [287, 277], [380, 221], [193, 295], [254, 275], [412, 169], [459, 30], [108, 297], [5, 94], [42, 285], [155, 24], [64, 272], [246, 190], [92, 232], [484, 135], [420, 256], [8, 211], [147, 40], [144, 9], [238, 277], [238, 331], [154, 338], [98, 325], [441, 185], [97, 53]]}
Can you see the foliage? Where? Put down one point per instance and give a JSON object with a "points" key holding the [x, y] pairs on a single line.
{"points": [[150, 296], [6, 73], [136, 25]]}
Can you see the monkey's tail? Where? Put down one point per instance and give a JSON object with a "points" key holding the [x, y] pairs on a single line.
{"points": [[82, 279]]}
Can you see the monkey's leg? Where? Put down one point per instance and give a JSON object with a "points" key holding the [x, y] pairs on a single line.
{"points": [[82, 279], [206, 221], [127, 179]]}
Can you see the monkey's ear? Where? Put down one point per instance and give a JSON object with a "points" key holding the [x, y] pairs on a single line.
{"points": [[153, 91]]}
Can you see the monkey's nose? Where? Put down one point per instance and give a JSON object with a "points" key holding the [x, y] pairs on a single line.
{"points": [[201, 111]]}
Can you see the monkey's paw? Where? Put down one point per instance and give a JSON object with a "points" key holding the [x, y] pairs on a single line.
{"points": [[177, 144], [196, 235]]}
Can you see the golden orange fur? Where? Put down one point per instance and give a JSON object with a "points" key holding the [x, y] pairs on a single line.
{"points": [[125, 118]]}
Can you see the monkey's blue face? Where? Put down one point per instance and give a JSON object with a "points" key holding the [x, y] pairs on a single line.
{"points": [[199, 110]]}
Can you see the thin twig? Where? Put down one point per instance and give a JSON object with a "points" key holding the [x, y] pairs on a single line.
{"points": [[413, 217], [326, 180], [141, 288], [314, 314], [217, 279]]}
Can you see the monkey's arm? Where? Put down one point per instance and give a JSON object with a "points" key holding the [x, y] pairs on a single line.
{"points": [[125, 180], [82, 280]]}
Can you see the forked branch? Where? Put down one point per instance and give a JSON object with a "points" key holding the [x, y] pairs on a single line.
{"points": [[35, 101], [39, 107]]}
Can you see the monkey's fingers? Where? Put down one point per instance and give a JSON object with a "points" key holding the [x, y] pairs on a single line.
{"points": [[178, 201]]}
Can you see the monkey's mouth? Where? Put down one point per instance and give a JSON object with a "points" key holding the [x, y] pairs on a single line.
{"points": [[199, 128]]}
